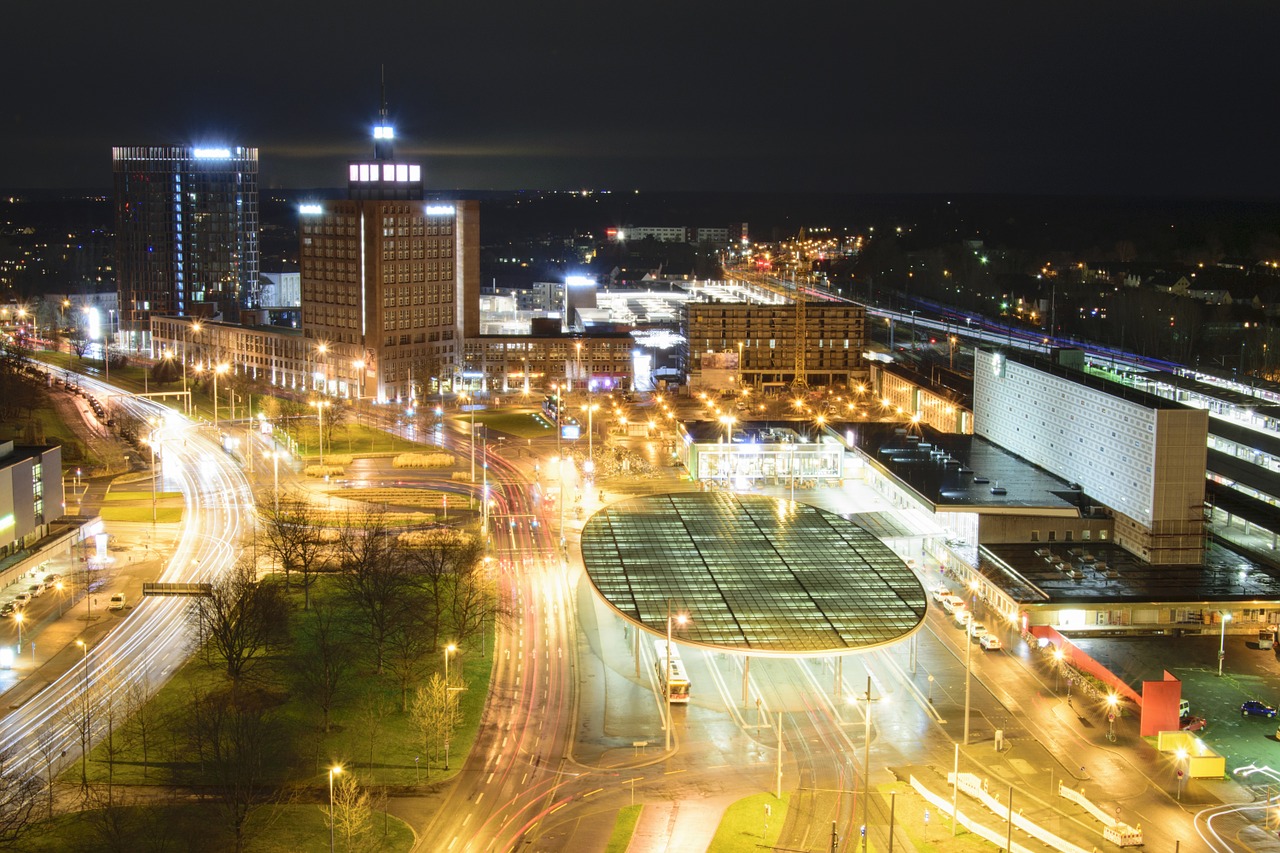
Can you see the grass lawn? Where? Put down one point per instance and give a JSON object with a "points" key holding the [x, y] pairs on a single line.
{"points": [[425, 498], [49, 424], [623, 829], [163, 514], [743, 826], [349, 437], [520, 424], [378, 746], [195, 827]]}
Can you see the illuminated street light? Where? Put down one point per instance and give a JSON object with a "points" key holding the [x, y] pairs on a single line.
{"points": [[320, 406], [1222, 641], [217, 371], [1113, 702], [333, 771], [680, 619], [448, 650], [17, 617]]}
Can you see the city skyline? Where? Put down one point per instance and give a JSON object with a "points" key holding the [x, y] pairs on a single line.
{"points": [[927, 98]]}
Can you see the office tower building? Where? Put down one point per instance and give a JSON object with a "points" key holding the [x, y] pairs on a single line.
{"points": [[390, 281], [186, 233]]}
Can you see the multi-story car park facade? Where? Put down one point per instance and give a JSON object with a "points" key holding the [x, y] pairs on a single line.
{"points": [[764, 338]]}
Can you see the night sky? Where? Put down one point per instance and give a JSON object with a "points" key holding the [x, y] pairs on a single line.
{"points": [[1176, 97]]}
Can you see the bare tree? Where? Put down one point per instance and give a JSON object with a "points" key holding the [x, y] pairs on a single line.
{"points": [[141, 716], [240, 619], [49, 747], [323, 666], [375, 577], [372, 708], [20, 791], [78, 715], [295, 538], [352, 811], [234, 733], [438, 562], [408, 648], [435, 712]]}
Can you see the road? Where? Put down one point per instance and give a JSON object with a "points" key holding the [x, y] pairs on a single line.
{"points": [[514, 775], [146, 647]]}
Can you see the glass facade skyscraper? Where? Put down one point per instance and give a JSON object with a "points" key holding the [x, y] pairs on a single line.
{"points": [[186, 232]]}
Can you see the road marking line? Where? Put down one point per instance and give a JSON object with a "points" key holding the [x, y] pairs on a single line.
{"points": [[589, 793], [681, 770], [490, 779], [479, 798], [557, 808]]}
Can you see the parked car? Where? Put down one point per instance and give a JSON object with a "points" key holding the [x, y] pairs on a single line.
{"points": [[8, 609], [976, 629], [962, 617], [940, 592], [1192, 724], [117, 601], [990, 642], [951, 602], [36, 590], [22, 599], [1255, 708], [51, 579]]}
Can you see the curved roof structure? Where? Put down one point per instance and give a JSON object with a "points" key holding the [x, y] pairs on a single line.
{"points": [[754, 574]]}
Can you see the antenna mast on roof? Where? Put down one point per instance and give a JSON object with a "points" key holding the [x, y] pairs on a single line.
{"points": [[383, 133]]}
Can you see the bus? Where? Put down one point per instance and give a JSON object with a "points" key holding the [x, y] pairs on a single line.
{"points": [[679, 691]]}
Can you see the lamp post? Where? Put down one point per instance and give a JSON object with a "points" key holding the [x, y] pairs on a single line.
{"points": [[358, 364], [84, 744], [448, 650], [1181, 755], [968, 669], [333, 771], [321, 349], [1057, 669], [559, 462], [320, 406], [866, 758], [218, 370], [1222, 640], [275, 478], [680, 619], [590, 409], [17, 617], [1113, 702], [58, 587], [151, 445]]}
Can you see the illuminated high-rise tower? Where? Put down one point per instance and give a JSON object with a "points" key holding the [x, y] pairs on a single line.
{"points": [[186, 232], [390, 282]]}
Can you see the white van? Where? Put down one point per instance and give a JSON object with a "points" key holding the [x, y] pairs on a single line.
{"points": [[117, 601]]}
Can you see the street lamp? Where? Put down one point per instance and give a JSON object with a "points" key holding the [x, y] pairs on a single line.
{"points": [[680, 619], [320, 406], [333, 771], [58, 587], [358, 364], [17, 617], [968, 668], [1112, 702], [1222, 640], [590, 409], [218, 370], [321, 349], [866, 756], [1181, 755], [84, 743], [1057, 669], [448, 650]]}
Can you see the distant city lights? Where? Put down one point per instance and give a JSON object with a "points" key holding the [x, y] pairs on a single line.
{"points": [[440, 210], [383, 131], [310, 209], [212, 153]]}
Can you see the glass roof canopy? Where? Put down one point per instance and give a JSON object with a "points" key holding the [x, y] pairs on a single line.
{"points": [[754, 574]]}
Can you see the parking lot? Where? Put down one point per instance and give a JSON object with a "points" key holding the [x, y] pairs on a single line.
{"points": [[1249, 743]]}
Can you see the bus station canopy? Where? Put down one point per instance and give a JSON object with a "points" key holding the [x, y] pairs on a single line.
{"points": [[753, 574]]}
